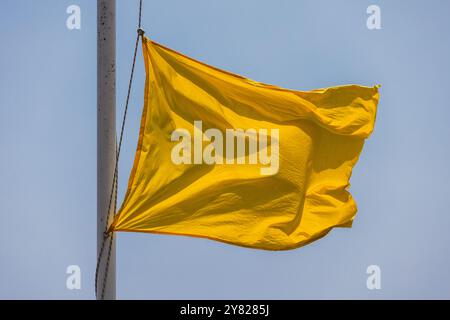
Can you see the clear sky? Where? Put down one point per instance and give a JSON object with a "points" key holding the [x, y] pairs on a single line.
{"points": [[48, 147]]}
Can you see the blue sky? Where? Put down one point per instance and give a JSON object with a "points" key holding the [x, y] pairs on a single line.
{"points": [[48, 147]]}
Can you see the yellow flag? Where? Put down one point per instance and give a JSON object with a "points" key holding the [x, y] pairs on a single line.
{"points": [[224, 157]]}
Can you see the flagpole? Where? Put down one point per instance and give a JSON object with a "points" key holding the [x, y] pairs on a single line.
{"points": [[106, 141]]}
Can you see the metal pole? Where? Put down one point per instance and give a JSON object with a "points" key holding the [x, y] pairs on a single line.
{"points": [[106, 138]]}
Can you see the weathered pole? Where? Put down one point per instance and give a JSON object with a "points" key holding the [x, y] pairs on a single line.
{"points": [[106, 142]]}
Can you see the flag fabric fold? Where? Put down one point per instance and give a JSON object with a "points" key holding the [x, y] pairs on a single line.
{"points": [[223, 157]]}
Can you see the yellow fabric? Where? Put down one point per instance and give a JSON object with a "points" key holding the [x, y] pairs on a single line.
{"points": [[321, 134]]}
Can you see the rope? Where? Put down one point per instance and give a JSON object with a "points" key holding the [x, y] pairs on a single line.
{"points": [[107, 265], [140, 33], [140, 14]]}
